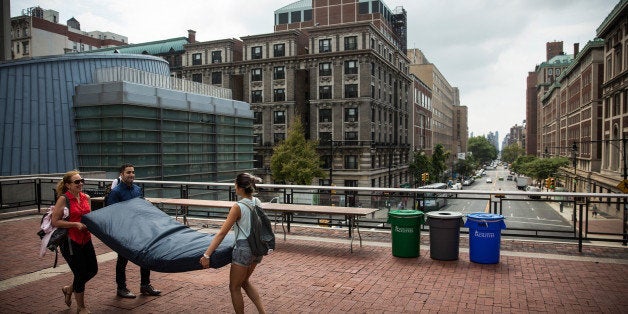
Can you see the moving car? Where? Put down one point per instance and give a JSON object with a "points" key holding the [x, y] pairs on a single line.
{"points": [[530, 188], [509, 178], [489, 180]]}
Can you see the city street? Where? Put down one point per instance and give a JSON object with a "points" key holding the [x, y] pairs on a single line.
{"points": [[519, 211]]}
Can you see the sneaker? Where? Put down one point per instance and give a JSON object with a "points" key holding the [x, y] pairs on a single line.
{"points": [[125, 293], [149, 290]]}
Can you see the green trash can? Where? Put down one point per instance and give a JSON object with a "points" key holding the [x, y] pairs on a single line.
{"points": [[405, 226]]}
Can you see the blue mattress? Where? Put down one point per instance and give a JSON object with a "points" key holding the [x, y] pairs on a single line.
{"points": [[150, 238]]}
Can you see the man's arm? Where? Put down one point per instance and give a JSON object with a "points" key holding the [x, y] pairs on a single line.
{"points": [[114, 196]]}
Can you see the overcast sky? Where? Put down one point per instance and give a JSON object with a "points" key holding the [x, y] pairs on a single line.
{"points": [[485, 48]]}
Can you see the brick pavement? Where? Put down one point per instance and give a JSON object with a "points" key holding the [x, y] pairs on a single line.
{"points": [[313, 271]]}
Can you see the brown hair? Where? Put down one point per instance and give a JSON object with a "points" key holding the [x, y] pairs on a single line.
{"points": [[247, 182], [67, 178]]}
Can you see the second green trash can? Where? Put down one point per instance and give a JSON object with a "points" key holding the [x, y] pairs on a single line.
{"points": [[405, 226], [444, 234]]}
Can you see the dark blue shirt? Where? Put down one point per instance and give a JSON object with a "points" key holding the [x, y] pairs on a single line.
{"points": [[123, 192]]}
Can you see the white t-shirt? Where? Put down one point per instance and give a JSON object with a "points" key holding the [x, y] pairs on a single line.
{"points": [[245, 218], [115, 182]]}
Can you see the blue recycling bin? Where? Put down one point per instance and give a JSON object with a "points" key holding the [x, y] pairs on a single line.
{"points": [[485, 237]]}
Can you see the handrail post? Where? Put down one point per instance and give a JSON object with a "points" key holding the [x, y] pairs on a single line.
{"points": [[580, 231]]}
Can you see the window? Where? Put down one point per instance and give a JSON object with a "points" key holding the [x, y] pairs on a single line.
{"points": [[324, 137], [364, 8], [279, 137], [351, 162], [258, 161], [197, 77], [279, 94], [256, 96], [25, 47], [257, 117], [324, 69], [326, 162], [324, 45], [279, 50], [351, 136], [351, 114], [295, 16], [351, 67], [324, 115], [256, 74], [282, 18], [351, 43], [279, 73], [257, 139], [256, 52], [351, 90], [324, 92], [279, 117], [217, 78], [307, 15], [197, 59], [216, 56]]}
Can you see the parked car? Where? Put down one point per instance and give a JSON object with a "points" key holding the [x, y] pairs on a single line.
{"points": [[509, 178], [489, 180], [501, 178]]}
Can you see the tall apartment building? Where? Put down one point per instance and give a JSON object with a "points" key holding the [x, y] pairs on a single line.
{"points": [[537, 84], [461, 128], [516, 136], [343, 74], [37, 32], [422, 117], [445, 100], [582, 104], [614, 97]]}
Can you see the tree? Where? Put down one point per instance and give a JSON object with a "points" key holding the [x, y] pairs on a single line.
{"points": [[542, 168], [510, 153], [420, 164], [465, 167], [295, 160], [439, 157], [481, 149]]}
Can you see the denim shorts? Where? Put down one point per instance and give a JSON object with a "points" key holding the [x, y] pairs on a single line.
{"points": [[242, 255]]}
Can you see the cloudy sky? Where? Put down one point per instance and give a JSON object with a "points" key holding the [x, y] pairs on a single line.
{"points": [[485, 48]]}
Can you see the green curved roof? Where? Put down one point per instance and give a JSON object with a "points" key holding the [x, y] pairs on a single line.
{"points": [[559, 60], [151, 48], [296, 6]]}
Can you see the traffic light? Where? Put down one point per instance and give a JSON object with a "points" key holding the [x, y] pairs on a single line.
{"points": [[425, 176], [552, 183], [547, 183]]}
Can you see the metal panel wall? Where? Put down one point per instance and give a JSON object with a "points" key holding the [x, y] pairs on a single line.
{"points": [[36, 117]]}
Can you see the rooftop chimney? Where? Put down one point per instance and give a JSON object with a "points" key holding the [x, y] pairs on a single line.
{"points": [[576, 49], [191, 36]]}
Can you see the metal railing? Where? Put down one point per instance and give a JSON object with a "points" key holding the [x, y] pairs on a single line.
{"points": [[547, 215], [117, 74]]}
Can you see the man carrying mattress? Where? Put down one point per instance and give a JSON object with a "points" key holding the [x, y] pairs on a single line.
{"points": [[125, 191]]}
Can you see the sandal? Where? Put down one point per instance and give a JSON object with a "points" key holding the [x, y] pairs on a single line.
{"points": [[67, 295]]}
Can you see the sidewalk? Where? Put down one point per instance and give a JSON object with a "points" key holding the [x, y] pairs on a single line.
{"points": [[313, 271]]}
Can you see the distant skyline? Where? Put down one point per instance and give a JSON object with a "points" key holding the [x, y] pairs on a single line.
{"points": [[485, 48]]}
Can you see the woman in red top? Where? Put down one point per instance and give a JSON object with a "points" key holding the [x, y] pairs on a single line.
{"points": [[81, 257]]}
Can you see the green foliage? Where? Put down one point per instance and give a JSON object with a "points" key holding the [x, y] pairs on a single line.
{"points": [[295, 160], [439, 157], [420, 164], [540, 168], [465, 167], [518, 165], [481, 149], [510, 153]]}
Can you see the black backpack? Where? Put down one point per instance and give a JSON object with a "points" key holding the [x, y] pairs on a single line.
{"points": [[261, 238]]}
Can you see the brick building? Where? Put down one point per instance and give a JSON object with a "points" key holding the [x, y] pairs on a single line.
{"points": [[345, 76], [37, 32]]}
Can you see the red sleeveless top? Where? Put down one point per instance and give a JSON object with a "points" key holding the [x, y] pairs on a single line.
{"points": [[77, 210]]}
